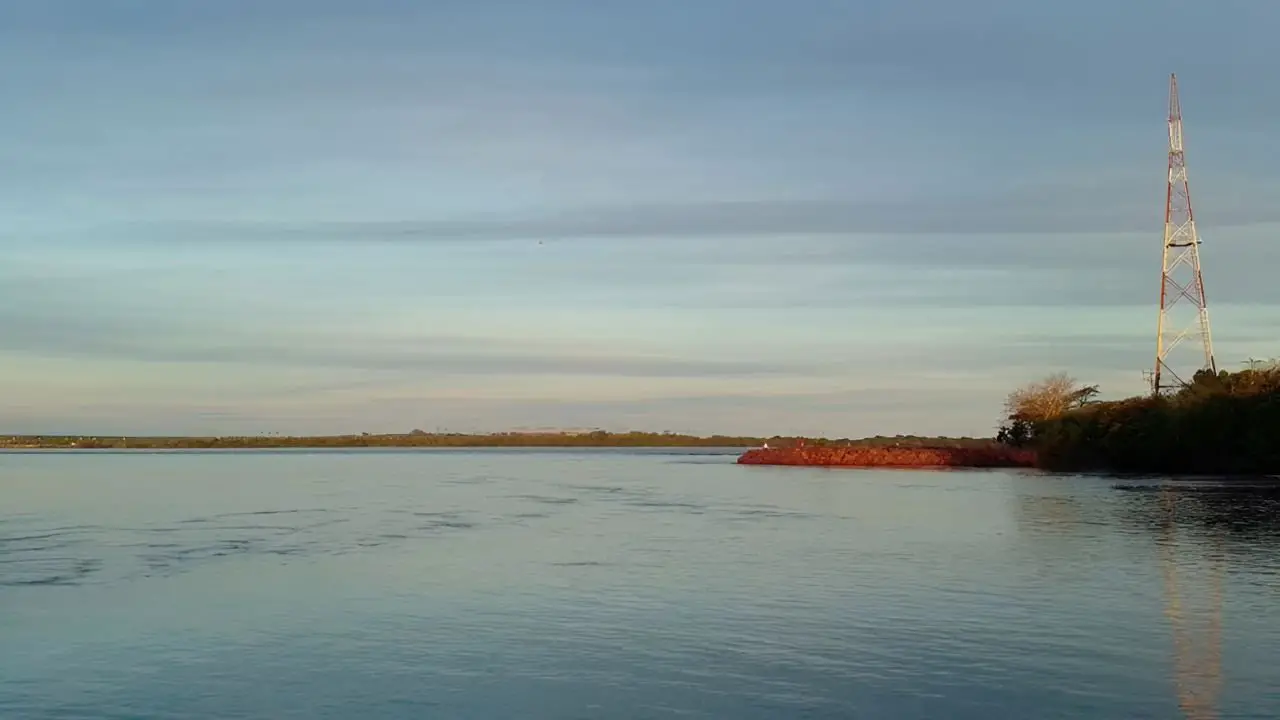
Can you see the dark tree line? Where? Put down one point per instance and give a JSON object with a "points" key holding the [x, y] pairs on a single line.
{"points": [[1223, 423]]}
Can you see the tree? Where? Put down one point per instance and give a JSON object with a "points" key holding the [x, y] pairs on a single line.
{"points": [[1047, 398], [1039, 402], [1016, 433]]}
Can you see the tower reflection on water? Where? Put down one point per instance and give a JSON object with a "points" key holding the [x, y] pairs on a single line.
{"points": [[1193, 606], [1190, 541]]}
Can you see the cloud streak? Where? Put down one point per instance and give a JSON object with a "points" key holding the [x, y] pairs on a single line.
{"points": [[1071, 211]]}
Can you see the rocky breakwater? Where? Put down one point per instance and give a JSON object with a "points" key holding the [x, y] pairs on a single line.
{"points": [[987, 456]]}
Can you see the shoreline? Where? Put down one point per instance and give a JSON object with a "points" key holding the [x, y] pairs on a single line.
{"points": [[723, 449], [891, 457]]}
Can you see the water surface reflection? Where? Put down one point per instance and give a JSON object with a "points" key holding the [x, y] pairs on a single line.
{"points": [[553, 585]]}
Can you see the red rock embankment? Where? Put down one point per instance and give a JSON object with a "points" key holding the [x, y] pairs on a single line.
{"points": [[992, 456]]}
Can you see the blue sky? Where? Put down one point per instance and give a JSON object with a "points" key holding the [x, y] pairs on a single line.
{"points": [[817, 216]]}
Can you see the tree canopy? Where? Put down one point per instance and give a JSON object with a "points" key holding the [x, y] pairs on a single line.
{"points": [[1224, 422], [1038, 402]]}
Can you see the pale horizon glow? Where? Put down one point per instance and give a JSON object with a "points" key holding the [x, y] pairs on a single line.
{"points": [[729, 216]]}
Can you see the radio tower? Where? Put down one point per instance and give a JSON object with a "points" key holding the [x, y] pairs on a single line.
{"points": [[1180, 277]]}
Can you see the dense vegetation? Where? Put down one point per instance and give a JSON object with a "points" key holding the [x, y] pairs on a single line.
{"points": [[1224, 423], [418, 438]]}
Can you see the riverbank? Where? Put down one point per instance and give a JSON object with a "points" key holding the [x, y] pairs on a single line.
{"points": [[983, 456]]}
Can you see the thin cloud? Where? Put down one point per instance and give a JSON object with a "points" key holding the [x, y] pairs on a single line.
{"points": [[1047, 211], [91, 336]]}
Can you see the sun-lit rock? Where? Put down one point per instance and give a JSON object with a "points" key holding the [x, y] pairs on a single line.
{"points": [[990, 456]]}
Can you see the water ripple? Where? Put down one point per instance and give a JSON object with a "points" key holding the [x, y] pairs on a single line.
{"points": [[596, 585]]}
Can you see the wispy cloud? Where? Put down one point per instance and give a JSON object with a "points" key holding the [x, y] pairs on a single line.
{"points": [[1071, 211]]}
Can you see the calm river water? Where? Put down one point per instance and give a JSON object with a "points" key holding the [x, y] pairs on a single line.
{"points": [[624, 584]]}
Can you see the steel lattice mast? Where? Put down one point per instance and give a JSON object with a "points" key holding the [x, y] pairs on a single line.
{"points": [[1180, 277]]}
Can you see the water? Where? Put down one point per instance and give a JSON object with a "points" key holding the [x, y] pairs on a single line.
{"points": [[624, 584]]}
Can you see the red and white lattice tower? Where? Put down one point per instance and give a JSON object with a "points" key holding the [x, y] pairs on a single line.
{"points": [[1180, 277]]}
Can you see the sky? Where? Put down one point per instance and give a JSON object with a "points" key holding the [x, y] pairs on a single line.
{"points": [[821, 217]]}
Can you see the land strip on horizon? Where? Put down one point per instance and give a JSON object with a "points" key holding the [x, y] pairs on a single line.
{"points": [[597, 438]]}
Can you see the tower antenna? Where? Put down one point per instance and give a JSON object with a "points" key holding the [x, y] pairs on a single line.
{"points": [[1180, 277]]}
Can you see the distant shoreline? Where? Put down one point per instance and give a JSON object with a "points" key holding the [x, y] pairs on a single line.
{"points": [[453, 440]]}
